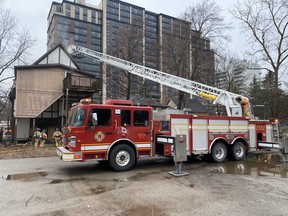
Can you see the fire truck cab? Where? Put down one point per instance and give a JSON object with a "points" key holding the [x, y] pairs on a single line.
{"points": [[116, 131]]}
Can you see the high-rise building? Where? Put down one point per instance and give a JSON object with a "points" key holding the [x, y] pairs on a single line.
{"points": [[132, 33], [236, 75]]}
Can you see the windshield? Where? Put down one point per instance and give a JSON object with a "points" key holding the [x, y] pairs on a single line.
{"points": [[76, 117]]}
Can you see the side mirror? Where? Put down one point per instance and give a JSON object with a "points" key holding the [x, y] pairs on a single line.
{"points": [[94, 119]]}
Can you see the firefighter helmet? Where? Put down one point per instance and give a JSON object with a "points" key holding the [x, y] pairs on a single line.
{"points": [[238, 99]]}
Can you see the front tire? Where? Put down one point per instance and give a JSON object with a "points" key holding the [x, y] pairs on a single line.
{"points": [[238, 151], [219, 152], [122, 158]]}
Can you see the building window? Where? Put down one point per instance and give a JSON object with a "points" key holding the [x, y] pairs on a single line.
{"points": [[125, 14], [113, 11], [124, 19], [151, 29], [111, 16], [68, 7], [59, 8], [93, 18], [151, 17], [85, 14], [77, 13], [99, 18], [80, 24], [80, 38], [137, 11], [96, 28], [125, 8], [80, 31], [113, 4]]}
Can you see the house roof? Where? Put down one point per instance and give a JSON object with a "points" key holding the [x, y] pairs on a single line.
{"points": [[196, 106], [58, 56], [58, 47], [146, 102]]}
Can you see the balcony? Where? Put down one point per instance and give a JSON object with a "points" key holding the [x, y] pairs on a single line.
{"points": [[81, 83]]}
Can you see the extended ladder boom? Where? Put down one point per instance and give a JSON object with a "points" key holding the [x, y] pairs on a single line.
{"points": [[218, 96]]}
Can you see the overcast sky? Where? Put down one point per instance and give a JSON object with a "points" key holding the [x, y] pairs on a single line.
{"points": [[33, 15]]}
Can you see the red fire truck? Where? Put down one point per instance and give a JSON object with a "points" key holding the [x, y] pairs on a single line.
{"points": [[120, 132]]}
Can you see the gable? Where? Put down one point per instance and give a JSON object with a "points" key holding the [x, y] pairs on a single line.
{"points": [[171, 103], [57, 55]]}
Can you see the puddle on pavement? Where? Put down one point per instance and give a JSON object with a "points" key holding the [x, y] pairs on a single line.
{"points": [[23, 176], [35, 176], [255, 165]]}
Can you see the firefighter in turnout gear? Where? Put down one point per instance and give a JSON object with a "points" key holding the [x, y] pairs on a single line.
{"points": [[37, 135], [57, 136], [246, 109], [43, 138]]}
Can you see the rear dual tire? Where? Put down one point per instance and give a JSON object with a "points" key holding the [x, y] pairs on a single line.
{"points": [[238, 151]]}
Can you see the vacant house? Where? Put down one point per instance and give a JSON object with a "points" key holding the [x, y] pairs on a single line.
{"points": [[44, 90]]}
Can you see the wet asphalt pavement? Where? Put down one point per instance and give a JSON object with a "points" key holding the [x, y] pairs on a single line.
{"points": [[48, 186]]}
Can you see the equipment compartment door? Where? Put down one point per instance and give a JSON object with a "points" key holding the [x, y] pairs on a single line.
{"points": [[180, 126], [269, 133], [252, 136], [200, 136]]}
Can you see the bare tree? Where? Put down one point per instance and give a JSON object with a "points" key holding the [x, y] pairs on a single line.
{"points": [[230, 74], [176, 57], [3, 100], [14, 43], [206, 19], [207, 25], [266, 21], [128, 45]]}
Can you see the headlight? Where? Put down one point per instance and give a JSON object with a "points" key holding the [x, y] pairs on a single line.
{"points": [[72, 141]]}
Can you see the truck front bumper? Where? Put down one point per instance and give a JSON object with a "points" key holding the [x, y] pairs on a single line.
{"points": [[66, 155]]}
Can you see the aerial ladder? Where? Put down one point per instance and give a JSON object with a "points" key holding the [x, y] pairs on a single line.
{"points": [[234, 103]]}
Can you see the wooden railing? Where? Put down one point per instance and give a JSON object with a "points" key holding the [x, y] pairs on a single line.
{"points": [[81, 83]]}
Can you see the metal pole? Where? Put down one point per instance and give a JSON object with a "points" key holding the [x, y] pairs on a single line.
{"points": [[284, 148], [67, 95], [62, 110], [33, 130]]}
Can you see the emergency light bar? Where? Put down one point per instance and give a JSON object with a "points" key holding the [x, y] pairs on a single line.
{"points": [[85, 101]]}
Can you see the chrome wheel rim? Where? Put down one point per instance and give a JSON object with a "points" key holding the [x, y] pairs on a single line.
{"points": [[219, 153], [239, 151], [122, 158]]}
